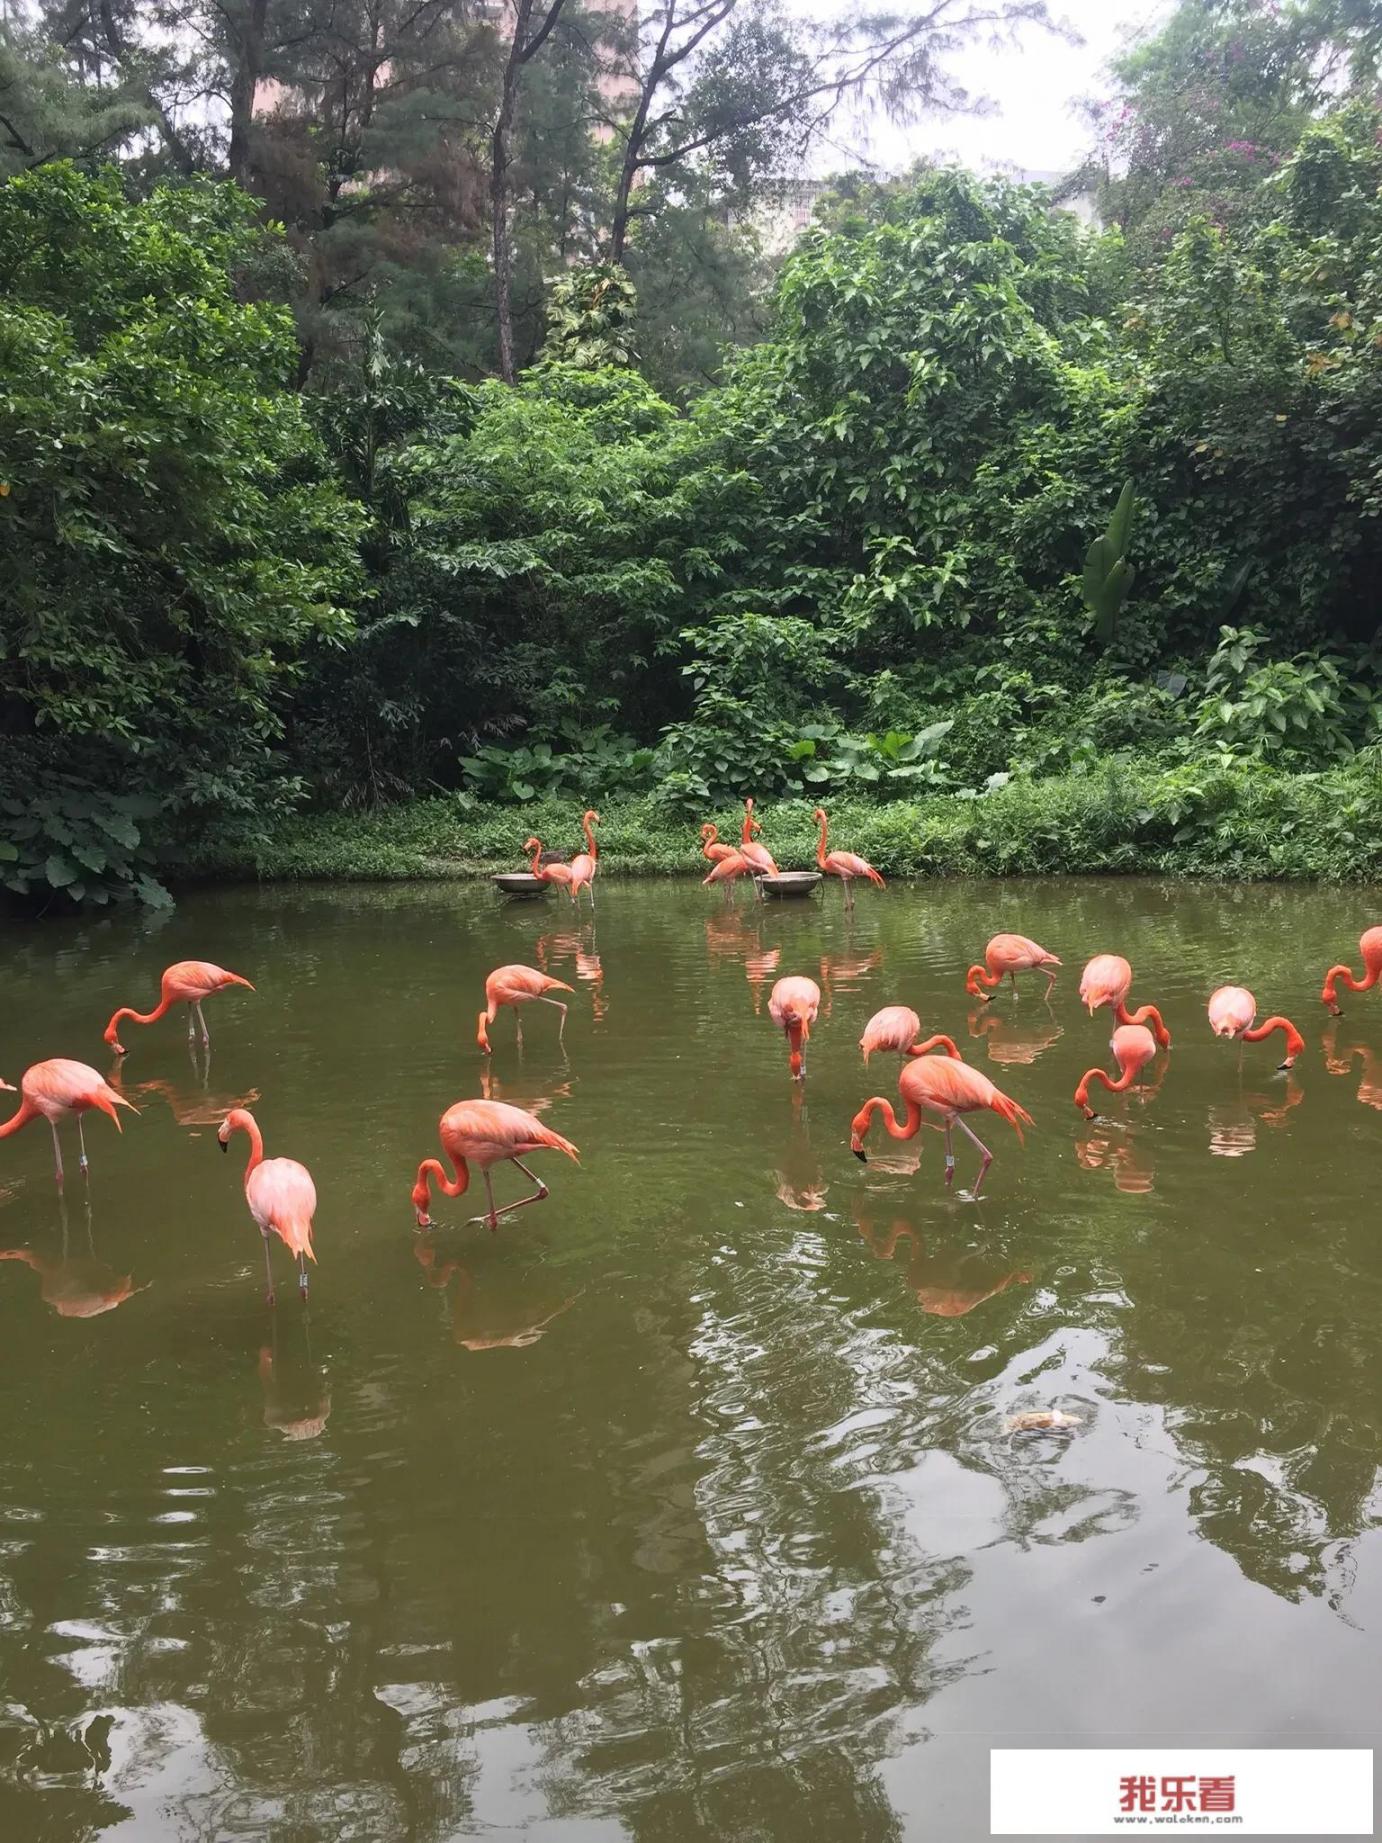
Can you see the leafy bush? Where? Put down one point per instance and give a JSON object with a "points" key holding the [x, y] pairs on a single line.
{"points": [[66, 843], [1308, 710]]}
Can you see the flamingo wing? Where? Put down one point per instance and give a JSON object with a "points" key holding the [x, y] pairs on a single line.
{"points": [[283, 1198]]}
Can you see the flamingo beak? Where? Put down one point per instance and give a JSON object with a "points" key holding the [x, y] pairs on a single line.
{"points": [[223, 1143]]}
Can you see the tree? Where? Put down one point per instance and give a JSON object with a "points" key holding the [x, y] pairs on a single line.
{"points": [[47, 112], [531, 29]]}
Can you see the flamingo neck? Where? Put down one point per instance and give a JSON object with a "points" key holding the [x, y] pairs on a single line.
{"points": [[820, 842], [590, 844], [979, 976], [746, 836], [250, 1127], [1143, 1015], [906, 1129], [450, 1187], [537, 853], [1295, 1043], [1343, 975], [22, 1115], [137, 1017], [1125, 1081], [939, 1041]]}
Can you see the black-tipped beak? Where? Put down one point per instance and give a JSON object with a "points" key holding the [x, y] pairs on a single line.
{"points": [[223, 1143], [860, 1154]]}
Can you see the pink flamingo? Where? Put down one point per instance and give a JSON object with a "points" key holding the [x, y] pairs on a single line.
{"points": [[1107, 980], [186, 983], [1232, 1009], [281, 1196], [1011, 954], [724, 873], [758, 855], [1133, 1048], [486, 1133], [516, 985], [792, 1005], [949, 1090], [896, 1027], [583, 865], [1370, 946], [57, 1090], [558, 875], [712, 849], [842, 864]]}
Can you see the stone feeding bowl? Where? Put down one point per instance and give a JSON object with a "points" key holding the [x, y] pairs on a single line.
{"points": [[521, 883], [789, 883]]}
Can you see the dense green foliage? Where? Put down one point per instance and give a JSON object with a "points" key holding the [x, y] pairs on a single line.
{"points": [[995, 506]]}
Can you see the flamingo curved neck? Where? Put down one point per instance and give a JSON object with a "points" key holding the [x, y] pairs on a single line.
{"points": [[21, 1116], [980, 976], [1295, 1043], [1125, 1081], [1343, 975], [449, 1187], [250, 1128], [906, 1129], [590, 844], [820, 843], [1143, 1015]]}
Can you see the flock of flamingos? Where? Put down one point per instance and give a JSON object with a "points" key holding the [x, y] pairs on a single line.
{"points": [[943, 1087]]}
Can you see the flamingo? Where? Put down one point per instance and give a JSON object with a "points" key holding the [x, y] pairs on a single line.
{"points": [[583, 865], [281, 1196], [485, 1133], [792, 1005], [713, 849], [558, 875], [187, 982], [949, 1089], [896, 1027], [735, 865], [1011, 954], [1133, 1048], [1232, 1009], [1370, 946], [1107, 980], [516, 985], [842, 864], [57, 1089], [758, 855]]}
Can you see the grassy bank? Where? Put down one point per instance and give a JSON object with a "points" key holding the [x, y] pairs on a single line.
{"points": [[1210, 820]]}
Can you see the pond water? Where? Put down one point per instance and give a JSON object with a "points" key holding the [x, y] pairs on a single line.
{"points": [[685, 1505]]}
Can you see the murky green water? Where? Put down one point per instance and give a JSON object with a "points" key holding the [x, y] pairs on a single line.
{"points": [[683, 1507]]}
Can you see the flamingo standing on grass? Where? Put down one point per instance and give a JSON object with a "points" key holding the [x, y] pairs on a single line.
{"points": [[583, 865], [947, 1089], [842, 864], [897, 1027], [1011, 954], [483, 1134], [792, 1005], [516, 985], [1107, 980], [1133, 1048], [1231, 1012], [187, 982], [281, 1196], [61, 1090], [1370, 946]]}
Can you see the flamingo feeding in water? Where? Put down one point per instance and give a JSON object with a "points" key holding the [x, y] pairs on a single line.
{"points": [[728, 868], [186, 983], [516, 985], [1133, 1048], [713, 849], [583, 865], [758, 855], [947, 1089], [897, 1027], [1107, 980], [842, 864], [1011, 954], [486, 1133], [792, 1005], [1370, 946], [1231, 1011], [57, 1090], [281, 1196], [558, 875]]}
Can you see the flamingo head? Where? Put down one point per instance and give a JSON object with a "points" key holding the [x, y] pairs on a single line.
{"points": [[708, 832], [237, 1117], [533, 844], [818, 815], [858, 1126]]}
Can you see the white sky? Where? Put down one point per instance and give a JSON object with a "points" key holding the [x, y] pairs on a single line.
{"points": [[1035, 87]]}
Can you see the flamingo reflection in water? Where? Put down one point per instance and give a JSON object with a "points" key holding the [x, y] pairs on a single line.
{"points": [[1014, 1040], [1233, 1124], [800, 1179], [488, 1316], [189, 1105], [1104, 1145], [579, 947], [76, 1286], [1339, 1060], [947, 1284], [847, 972], [297, 1395]]}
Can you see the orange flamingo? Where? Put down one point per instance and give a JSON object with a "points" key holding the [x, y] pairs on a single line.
{"points": [[792, 1005], [516, 985], [712, 848], [281, 1196], [558, 875], [896, 1027], [186, 983], [58, 1089], [758, 855], [842, 864], [949, 1090], [735, 865], [1133, 1048], [583, 865], [1232, 1009], [1011, 954], [1370, 946], [1107, 980], [486, 1133]]}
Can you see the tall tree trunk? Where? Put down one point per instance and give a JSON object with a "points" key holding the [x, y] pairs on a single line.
{"points": [[501, 157], [249, 68]]}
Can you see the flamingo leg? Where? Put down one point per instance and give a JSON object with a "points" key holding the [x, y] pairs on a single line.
{"points": [[1050, 981], [1013, 977], [191, 1022], [518, 1027], [57, 1151], [81, 1141], [561, 1028], [985, 1155], [849, 892], [201, 1020], [949, 1156], [302, 1278], [494, 1214], [268, 1269]]}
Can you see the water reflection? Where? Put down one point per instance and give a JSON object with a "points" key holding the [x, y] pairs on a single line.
{"points": [[578, 947], [1233, 1124], [495, 1307], [801, 1181], [1106, 1145], [1339, 1059], [76, 1285], [948, 1282], [191, 1103], [846, 972], [297, 1396], [1015, 1037]]}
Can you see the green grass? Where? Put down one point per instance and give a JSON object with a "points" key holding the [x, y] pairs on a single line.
{"points": [[1199, 820]]}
